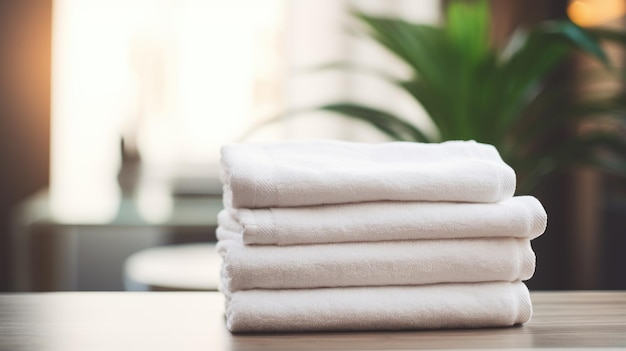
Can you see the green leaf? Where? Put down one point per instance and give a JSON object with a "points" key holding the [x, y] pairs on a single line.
{"points": [[545, 47], [467, 28], [423, 48], [579, 37], [434, 103], [612, 35], [520, 76], [394, 127]]}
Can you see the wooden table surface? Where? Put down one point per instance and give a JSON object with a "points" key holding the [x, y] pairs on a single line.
{"points": [[194, 321]]}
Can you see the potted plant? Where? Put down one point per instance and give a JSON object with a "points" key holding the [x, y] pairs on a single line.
{"points": [[498, 95]]}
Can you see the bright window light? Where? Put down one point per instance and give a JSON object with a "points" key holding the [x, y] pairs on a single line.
{"points": [[177, 79]]}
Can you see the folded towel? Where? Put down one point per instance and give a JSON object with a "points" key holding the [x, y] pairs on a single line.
{"points": [[521, 216], [380, 308], [374, 264], [303, 173]]}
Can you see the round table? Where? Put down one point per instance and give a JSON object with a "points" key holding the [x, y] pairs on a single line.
{"points": [[175, 267]]}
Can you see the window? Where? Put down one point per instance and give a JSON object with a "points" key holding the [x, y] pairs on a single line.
{"points": [[177, 79]]}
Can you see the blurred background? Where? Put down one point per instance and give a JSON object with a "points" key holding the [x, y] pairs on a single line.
{"points": [[112, 114]]}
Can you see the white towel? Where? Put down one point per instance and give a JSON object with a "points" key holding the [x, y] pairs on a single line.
{"points": [[519, 217], [380, 308], [303, 173], [374, 264]]}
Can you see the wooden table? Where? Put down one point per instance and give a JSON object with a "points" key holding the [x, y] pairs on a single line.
{"points": [[194, 321]]}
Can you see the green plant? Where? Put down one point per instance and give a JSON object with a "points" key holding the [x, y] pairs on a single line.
{"points": [[472, 90]]}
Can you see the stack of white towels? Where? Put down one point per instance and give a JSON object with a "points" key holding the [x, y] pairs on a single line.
{"points": [[331, 235]]}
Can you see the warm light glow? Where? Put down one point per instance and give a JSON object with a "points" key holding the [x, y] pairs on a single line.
{"points": [[588, 13]]}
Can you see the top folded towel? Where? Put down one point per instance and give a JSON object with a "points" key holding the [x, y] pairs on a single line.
{"points": [[304, 173]]}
